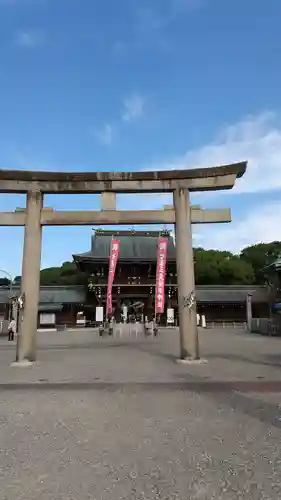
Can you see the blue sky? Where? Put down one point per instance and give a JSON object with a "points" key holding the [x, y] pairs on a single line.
{"points": [[142, 84]]}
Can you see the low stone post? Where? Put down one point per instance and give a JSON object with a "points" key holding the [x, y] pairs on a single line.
{"points": [[249, 311]]}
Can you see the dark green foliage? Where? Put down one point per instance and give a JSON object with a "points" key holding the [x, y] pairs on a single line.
{"points": [[67, 274], [260, 257], [212, 267], [4, 282]]}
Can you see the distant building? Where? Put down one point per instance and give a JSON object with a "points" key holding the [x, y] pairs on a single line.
{"points": [[134, 286], [135, 277]]}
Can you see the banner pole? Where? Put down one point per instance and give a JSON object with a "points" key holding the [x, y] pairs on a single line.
{"points": [[162, 250], [155, 313], [113, 258], [109, 262]]}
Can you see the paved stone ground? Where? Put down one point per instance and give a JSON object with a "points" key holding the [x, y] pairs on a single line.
{"points": [[119, 419]]}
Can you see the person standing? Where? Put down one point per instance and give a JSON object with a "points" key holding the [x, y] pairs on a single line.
{"points": [[12, 330]]}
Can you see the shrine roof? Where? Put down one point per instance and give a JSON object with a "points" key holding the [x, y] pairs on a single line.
{"points": [[52, 297], [134, 246]]}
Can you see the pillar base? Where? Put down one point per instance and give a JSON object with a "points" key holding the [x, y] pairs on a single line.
{"points": [[22, 364], [191, 361]]}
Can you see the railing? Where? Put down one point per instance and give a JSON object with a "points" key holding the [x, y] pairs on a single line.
{"points": [[265, 326], [227, 325]]}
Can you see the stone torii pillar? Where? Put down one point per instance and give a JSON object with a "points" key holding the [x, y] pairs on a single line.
{"points": [[30, 281], [189, 345]]}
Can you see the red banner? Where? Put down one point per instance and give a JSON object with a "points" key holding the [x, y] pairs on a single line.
{"points": [[161, 275], [114, 252]]}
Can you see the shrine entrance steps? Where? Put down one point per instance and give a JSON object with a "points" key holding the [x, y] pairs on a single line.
{"points": [[132, 330]]}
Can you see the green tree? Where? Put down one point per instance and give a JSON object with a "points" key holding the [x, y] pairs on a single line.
{"points": [[235, 271], [260, 256], [50, 276], [206, 269], [4, 282], [67, 274], [214, 267]]}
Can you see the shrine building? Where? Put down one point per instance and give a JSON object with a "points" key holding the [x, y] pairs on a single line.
{"points": [[134, 286]]}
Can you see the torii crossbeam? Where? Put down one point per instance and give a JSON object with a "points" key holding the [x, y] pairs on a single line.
{"points": [[178, 182]]}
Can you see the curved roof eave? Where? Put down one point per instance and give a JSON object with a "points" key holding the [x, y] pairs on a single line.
{"points": [[237, 169]]}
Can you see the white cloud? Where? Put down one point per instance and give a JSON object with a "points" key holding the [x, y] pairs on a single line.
{"points": [[29, 39], [133, 111], [260, 225], [256, 139], [106, 134], [133, 108]]}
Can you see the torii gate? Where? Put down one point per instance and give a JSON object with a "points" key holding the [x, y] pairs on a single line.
{"points": [[108, 184]]}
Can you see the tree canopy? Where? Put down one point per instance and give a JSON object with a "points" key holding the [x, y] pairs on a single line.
{"points": [[212, 267], [260, 257], [67, 274], [4, 281]]}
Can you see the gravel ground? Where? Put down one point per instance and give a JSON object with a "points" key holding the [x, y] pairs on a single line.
{"points": [[119, 419]]}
